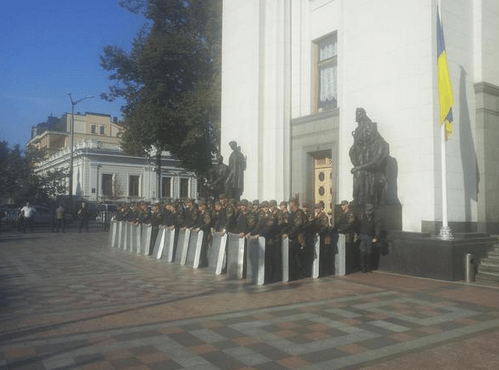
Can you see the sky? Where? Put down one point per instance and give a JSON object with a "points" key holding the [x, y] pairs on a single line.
{"points": [[52, 47]]}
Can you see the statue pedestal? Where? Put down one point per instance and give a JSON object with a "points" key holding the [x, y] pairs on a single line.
{"points": [[390, 216], [418, 254]]}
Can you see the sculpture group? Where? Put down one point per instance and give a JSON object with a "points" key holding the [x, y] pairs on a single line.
{"points": [[369, 154], [228, 179]]}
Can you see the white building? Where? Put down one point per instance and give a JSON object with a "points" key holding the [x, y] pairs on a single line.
{"points": [[294, 72], [103, 172]]}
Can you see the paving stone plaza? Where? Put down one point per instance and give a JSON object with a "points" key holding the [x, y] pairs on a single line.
{"points": [[69, 301]]}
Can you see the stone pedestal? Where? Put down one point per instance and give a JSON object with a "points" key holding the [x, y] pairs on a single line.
{"points": [[419, 254], [390, 215]]}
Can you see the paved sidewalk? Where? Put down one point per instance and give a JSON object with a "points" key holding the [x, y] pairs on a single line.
{"points": [[67, 301]]}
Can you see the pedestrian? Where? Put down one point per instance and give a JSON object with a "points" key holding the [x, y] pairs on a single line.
{"points": [[28, 214], [60, 222], [83, 217]]}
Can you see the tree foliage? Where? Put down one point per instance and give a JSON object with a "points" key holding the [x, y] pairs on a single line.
{"points": [[19, 181], [170, 80]]}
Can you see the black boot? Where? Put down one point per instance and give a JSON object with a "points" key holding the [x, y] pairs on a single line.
{"points": [[368, 263], [363, 260]]}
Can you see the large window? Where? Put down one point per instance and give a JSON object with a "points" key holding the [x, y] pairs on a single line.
{"points": [[92, 129], [327, 73], [102, 130], [133, 188], [107, 185], [184, 188], [166, 183]]}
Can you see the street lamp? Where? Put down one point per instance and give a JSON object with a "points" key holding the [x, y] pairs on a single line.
{"points": [[73, 103]]}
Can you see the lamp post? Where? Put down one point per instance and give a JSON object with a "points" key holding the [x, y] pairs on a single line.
{"points": [[73, 103], [99, 166]]}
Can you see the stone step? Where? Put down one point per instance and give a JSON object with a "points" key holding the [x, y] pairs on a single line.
{"points": [[492, 269], [489, 262], [487, 276], [479, 280], [490, 258]]}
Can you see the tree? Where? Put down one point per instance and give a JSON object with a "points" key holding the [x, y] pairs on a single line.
{"points": [[170, 80], [19, 181]]}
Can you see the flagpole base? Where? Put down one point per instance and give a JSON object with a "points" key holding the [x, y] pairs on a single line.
{"points": [[445, 233]]}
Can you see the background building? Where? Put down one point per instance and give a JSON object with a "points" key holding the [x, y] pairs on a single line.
{"points": [[294, 73], [101, 170], [55, 133]]}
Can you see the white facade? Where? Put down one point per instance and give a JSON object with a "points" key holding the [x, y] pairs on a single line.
{"points": [[102, 172], [386, 63]]}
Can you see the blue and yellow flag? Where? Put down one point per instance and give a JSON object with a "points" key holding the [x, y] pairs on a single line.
{"points": [[446, 98]]}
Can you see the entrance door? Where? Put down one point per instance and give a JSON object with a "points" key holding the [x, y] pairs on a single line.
{"points": [[323, 171]]}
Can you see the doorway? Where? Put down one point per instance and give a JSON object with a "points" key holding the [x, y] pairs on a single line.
{"points": [[323, 183]]}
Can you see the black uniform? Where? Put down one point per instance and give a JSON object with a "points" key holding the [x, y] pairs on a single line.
{"points": [[297, 245], [369, 229]]}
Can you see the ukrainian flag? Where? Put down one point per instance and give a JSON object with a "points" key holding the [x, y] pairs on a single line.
{"points": [[446, 98]]}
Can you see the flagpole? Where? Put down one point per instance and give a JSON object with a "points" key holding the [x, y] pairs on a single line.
{"points": [[445, 230]]}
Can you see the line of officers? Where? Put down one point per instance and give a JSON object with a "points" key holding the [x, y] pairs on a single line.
{"points": [[267, 219]]}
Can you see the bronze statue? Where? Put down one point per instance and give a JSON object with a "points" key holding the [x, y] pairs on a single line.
{"points": [[368, 154], [234, 185], [217, 177]]}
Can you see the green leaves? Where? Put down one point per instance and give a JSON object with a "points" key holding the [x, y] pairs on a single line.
{"points": [[19, 181], [170, 80]]}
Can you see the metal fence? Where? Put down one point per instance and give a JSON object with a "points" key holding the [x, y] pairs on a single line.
{"points": [[11, 222]]}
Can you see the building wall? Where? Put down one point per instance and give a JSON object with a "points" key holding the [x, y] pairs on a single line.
{"points": [[55, 140], [83, 128], [387, 64], [486, 14], [256, 93], [487, 134], [486, 29]]}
